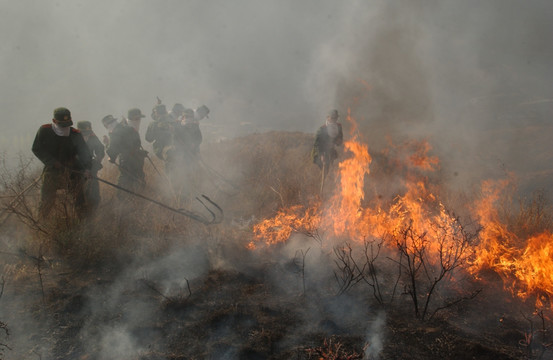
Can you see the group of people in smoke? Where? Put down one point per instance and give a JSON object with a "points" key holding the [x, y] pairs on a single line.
{"points": [[72, 157]]}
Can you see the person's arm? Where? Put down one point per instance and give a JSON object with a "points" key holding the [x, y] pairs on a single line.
{"points": [[340, 137], [151, 132], [115, 146], [39, 148], [98, 152], [83, 152]]}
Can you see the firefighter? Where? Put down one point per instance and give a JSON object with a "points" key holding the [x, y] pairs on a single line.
{"points": [[134, 118], [67, 161], [92, 187], [328, 137], [160, 132], [177, 112], [125, 144]]}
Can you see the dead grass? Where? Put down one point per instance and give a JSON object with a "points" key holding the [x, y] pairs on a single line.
{"points": [[225, 311]]}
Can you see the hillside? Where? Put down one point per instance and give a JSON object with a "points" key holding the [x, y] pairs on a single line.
{"points": [[138, 281]]}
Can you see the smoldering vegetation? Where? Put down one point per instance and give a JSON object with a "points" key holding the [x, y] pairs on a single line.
{"points": [[139, 281], [136, 281]]}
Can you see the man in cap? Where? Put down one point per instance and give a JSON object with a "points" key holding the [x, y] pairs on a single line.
{"points": [[134, 118], [188, 136], [176, 112], [125, 144], [327, 138], [92, 187], [160, 131], [201, 113], [183, 164], [67, 161]]}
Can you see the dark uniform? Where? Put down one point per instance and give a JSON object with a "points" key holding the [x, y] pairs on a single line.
{"points": [[66, 158], [177, 112], [124, 142], [184, 166], [92, 187], [188, 136], [160, 132], [327, 138]]}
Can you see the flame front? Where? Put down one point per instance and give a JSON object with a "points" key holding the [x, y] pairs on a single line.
{"points": [[525, 265]]}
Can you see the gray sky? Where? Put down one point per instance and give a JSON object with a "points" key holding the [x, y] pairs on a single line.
{"points": [[467, 75]]}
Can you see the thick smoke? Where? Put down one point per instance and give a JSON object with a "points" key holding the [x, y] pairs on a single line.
{"points": [[472, 77]]}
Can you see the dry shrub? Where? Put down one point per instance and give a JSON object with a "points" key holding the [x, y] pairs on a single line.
{"points": [[249, 177], [271, 170], [333, 349], [530, 215]]}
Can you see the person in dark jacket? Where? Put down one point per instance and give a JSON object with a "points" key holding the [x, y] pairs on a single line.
{"points": [[125, 144], [188, 136], [92, 187], [67, 161], [160, 132], [327, 138], [183, 167], [177, 112]]}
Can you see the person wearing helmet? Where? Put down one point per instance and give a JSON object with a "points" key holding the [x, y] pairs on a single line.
{"points": [[201, 113], [134, 118], [67, 161], [182, 167], [189, 134], [125, 144], [176, 112], [160, 131], [328, 136], [92, 187]]}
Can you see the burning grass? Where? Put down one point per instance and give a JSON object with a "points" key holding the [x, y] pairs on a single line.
{"points": [[293, 272]]}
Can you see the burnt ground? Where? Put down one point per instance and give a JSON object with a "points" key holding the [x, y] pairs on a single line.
{"points": [[198, 293], [229, 314]]}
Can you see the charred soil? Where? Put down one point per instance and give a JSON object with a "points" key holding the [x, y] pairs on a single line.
{"points": [[146, 284]]}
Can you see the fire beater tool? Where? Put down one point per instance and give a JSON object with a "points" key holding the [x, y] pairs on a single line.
{"points": [[214, 210]]}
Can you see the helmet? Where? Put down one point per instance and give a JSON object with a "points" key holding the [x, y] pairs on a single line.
{"points": [[188, 113], [333, 114], [202, 112], [178, 108], [84, 125], [63, 117], [108, 119], [133, 113], [160, 109]]}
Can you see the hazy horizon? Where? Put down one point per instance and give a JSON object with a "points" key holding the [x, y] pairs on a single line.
{"points": [[468, 76]]}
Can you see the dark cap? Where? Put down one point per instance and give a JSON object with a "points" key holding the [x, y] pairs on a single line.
{"points": [[188, 113], [333, 114], [63, 117], [84, 125], [160, 109], [178, 108], [108, 119], [202, 112], [132, 113]]}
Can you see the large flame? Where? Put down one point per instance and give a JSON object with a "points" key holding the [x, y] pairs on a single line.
{"points": [[526, 265]]}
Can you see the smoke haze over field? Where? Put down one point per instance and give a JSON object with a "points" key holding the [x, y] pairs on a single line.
{"points": [[466, 75], [473, 77]]}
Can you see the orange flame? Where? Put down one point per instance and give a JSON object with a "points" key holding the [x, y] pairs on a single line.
{"points": [[526, 265]]}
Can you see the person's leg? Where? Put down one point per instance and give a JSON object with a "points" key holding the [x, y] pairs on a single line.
{"points": [[47, 194], [77, 190]]}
